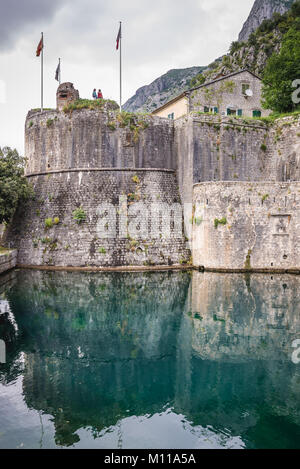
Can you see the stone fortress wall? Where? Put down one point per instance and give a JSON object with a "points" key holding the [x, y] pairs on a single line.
{"points": [[121, 174], [210, 148], [246, 175], [91, 157], [56, 140], [114, 233], [247, 225]]}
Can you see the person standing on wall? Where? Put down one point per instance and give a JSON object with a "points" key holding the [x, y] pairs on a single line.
{"points": [[94, 94], [100, 95]]}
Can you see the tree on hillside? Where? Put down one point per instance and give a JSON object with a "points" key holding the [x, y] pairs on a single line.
{"points": [[281, 71], [14, 187]]}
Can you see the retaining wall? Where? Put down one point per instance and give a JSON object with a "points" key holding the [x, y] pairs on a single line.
{"points": [[244, 226], [8, 260], [150, 198]]}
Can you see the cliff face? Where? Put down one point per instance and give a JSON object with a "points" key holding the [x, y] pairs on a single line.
{"points": [[251, 54], [262, 10], [171, 84]]}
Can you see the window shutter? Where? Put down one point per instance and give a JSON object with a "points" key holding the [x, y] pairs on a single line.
{"points": [[206, 109], [240, 112], [216, 110], [256, 113], [228, 112]]}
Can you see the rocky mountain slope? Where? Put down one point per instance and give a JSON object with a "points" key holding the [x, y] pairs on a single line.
{"points": [[164, 88], [261, 35], [254, 53], [262, 10]]}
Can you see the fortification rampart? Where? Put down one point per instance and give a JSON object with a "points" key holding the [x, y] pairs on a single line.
{"points": [[91, 157], [131, 217], [210, 148], [94, 139], [247, 225]]}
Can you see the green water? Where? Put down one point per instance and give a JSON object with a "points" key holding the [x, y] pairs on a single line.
{"points": [[149, 360]]}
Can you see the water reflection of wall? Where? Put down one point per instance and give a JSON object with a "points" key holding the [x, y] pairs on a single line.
{"points": [[83, 313], [244, 317], [242, 327], [100, 347]]}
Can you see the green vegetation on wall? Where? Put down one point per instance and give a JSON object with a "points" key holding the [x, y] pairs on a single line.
{"points": [[13, 185], [283, 68]]}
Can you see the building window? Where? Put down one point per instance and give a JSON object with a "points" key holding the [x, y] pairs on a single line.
{"points": [[171, 116], [245, 87], [231, 112], [256, 113], [212, 110]]}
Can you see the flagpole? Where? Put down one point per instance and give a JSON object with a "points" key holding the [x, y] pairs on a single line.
{"points": [[120, 66], [42, 75]]}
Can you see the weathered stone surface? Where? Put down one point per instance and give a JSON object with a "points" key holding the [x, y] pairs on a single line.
{"points": [[8, 260], [210, 148], [227, 93], [90, 158], [240, 225], [94, 139], [65, 95], [103, 238]]}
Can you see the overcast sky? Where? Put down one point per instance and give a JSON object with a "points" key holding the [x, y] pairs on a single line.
{"points": [[158, 35]]}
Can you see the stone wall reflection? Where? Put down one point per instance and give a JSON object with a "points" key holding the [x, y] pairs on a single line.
{"points": [[242, 328], [98, 345], [104, 346], [244, 317]]}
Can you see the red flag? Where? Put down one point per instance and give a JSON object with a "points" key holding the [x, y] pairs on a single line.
{"points": [[118, 38], [40, 47]]}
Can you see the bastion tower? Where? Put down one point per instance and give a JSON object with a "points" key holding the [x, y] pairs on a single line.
{"points": [[105, 189], [111, 190]]}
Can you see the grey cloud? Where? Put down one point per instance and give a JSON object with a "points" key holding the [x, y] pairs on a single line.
{"points": [[17, 16], [151, 31], [157, 36]]}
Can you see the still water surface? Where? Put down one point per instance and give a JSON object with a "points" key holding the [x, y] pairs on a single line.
{"points": [[149, 360]]}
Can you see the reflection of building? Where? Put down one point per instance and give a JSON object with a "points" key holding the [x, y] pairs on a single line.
{"points": [[237, 94], [251, 324], [103, 347]]}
